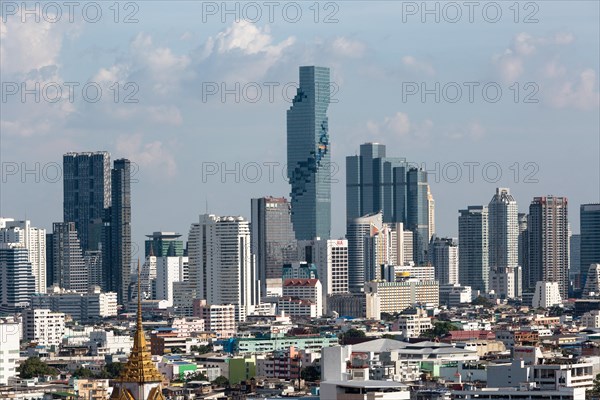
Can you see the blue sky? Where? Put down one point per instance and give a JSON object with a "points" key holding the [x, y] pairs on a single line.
{"points": [[375, 51]]}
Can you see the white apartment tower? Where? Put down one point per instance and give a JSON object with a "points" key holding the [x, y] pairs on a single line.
{"points": [[503, 225], [168, 271], [221, 265], [34, 240], [331, 259]]}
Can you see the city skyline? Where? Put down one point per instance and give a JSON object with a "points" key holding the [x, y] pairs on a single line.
{"points": [[314, 200], [184, 131]]}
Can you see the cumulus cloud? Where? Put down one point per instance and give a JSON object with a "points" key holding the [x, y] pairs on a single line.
{"points": [[152, 155], [28, 46], [418, 65], [348, 48], [242, 52], [511, 63], [579, 93], [399, 126], [474, 130]]}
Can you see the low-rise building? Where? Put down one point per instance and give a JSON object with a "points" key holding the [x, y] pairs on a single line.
{"points": [[547, 294], [304, 289], [453, 295], [398, 296], [591, 319], [80, 306], [91, 389], [298, 307], [270, 343], [44, 327], [413, 324], [106, 342], [523, 392], [218, 318]]}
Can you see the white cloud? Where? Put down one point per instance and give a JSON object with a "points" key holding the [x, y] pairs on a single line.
{"points": [[250, 39], [399, 126], [418, 65], [27, 46], [152, 155], [511, 63], [164, 68], [474, 130], [581, 93], [348, 48]]}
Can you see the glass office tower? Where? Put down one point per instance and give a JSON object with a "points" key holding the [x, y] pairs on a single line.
{"points": [[308, 155]]}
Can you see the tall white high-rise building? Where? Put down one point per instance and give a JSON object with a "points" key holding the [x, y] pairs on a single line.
{"points": [[9, 351], [358, 230], [331, 259], [444, 257], [17, 284], [392, 245], [221, 266], [503, 215], [431, 210], [34, 240], [168, 271]]}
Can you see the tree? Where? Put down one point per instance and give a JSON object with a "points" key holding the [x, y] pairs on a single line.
{"points": [[221, 381], [594, 392], [310, 373], [352, 334], [555, 311], [33, 367], [482, 301], [196, 376], [83, 373], [387, 316], [203, 349], [439, 329], [111, 370]]}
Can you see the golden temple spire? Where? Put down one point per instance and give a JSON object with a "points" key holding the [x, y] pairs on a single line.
{"points": [[140, 368]]}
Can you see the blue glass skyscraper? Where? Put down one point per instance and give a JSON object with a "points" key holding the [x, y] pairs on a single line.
{"points": [[308, 155], [375, 183]]}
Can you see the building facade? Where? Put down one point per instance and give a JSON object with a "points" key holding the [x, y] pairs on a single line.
{"points": [[309, 166], [503, 229], [331, 259], [548, 228], [117, 233], [43, 326], [86, 194], [17, 283], [589, 218], [10, 350], [473, 241], [444, 257], [221, 265], [68, 263], [358, 231], [34, 240], [273, 241]]}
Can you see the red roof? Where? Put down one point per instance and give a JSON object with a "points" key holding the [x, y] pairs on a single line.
{"points": [[466, 335], [300, 282]]}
